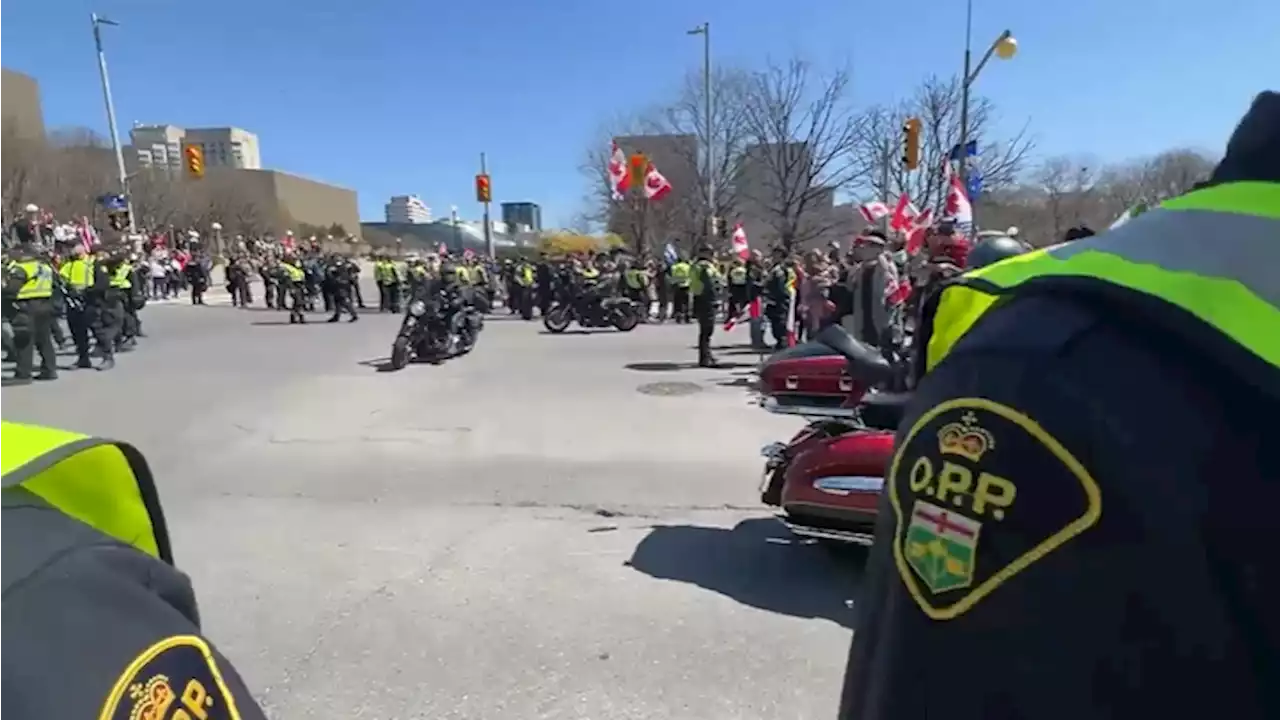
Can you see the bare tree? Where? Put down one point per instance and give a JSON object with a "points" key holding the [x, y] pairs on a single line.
{"points": [[936, 103], [800, 136], [1065, 184]]}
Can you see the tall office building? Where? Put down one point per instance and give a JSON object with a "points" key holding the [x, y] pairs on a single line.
{"points": [[522, 216], [407, 209], [160, 146]]}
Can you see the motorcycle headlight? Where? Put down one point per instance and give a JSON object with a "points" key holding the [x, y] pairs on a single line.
{"points": [[417, 308]]}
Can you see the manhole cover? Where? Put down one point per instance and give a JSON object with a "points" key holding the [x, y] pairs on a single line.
{"points": [[670, 388]]}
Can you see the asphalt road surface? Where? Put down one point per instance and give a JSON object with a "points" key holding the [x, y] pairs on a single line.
{"points": [[526, 532]]}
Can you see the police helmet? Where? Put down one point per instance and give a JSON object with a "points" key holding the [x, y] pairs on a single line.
{"points": [[994, 249]]}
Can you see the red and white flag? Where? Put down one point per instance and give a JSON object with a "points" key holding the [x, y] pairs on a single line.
{"points": [[739, 242], [903, 214], [619, 177], [958, 205], [656, 185], [873, 211], [919, 231]]}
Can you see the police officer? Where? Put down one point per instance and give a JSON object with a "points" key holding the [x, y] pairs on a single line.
{"points": [[340, 280], [523, 278], [97, 620], [704, 290], [77, 275], [679, 278], [1079, 518], [779, 284], [294, 280], [28, 295]]}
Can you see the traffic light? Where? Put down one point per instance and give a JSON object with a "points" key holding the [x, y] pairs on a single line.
{"points": [[118, 221], [911, 143], [484, 192], [639, 168], [195, 161]]}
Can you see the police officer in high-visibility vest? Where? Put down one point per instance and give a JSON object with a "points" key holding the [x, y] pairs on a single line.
{"points": [[704, 290], [523, 278], [77, 279], [98, 623], [295, 282], [679, 279], [636, 280], [28, 305], [1079, 518]]}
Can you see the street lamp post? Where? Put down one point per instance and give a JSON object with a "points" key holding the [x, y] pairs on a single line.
{"points": [[705, 31], [216, 227], [457, 232], [97, 23], [1004, 47]]}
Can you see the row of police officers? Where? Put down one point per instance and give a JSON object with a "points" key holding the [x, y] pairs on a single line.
{"points": [[99, 294]]}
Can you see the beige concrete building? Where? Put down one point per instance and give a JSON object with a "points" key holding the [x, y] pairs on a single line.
{"points": [[160, 146], [23, 116], [287, 201]]}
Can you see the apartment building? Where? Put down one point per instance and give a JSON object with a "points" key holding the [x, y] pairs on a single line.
{"points": [[406, 210]]}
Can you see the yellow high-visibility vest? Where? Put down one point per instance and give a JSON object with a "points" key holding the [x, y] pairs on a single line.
{"points": [[1228, 287], [102, 483], [39, 284]]}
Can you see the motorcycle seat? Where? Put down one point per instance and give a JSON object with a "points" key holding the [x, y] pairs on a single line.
{"points": [[865, 362]]}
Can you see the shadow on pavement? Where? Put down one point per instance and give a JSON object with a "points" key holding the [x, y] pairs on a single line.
{"points": [[285, 321], [673, 366], [756, 563]]}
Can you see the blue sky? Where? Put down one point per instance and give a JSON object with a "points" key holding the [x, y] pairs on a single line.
{"points": [[391, 97]]}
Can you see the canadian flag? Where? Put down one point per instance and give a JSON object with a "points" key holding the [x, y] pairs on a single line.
{"points": [[873, 211], [619, 178], [656, 185], [903, 213], [918, 231], [739, 242], [958, 205]]}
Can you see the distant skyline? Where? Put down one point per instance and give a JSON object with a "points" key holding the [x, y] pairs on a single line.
{"points": [[390, 98]]}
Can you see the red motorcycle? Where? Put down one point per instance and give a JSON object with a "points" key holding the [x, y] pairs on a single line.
{"points": [[826, 480]]}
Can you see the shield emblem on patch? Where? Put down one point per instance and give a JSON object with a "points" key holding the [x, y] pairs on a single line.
{"points": [[941, 545]]}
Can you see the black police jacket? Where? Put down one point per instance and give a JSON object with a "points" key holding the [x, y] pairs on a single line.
{"points": [[94, 628], [986, 598]]}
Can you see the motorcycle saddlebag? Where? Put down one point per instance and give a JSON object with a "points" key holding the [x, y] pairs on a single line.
{"points": [[809, 375]]}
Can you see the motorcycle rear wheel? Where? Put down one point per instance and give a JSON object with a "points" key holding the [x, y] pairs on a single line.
{"points": [[400, 353], [557, 320]]}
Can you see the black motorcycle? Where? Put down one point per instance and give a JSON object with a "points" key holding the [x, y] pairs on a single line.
{"points": [[589, 312], [437, 326]]}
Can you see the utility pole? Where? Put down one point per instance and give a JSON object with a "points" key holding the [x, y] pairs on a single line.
{"points": [[705, 31], [97, 23], [488, 229]]}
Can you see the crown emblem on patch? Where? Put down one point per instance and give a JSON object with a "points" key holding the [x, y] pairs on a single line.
{"points": [[965, 438], [151, 700]]}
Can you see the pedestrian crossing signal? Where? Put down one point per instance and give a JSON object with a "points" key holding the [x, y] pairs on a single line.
{"points": [[195, 161], [484, 191]]}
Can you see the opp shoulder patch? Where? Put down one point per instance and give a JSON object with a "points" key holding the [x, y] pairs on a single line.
{"points": [[980, 491], [174, 679]]}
